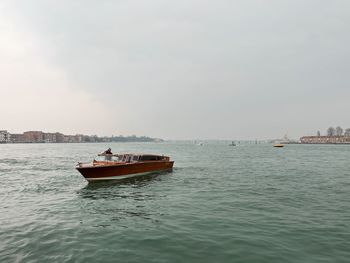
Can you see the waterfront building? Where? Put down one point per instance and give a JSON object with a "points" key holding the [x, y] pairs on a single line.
{"points": [[55, 137], [59, 137], [17, 138], [33, 136], [325, 139], [5, 136], [49, 137], [79, 137], [104, 139], [69, 139]]}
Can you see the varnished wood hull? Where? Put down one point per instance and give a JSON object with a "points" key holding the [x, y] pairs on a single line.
{"points": [[123, 170]]}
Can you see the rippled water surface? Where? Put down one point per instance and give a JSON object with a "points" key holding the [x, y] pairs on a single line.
{"points": [[250, 203]]}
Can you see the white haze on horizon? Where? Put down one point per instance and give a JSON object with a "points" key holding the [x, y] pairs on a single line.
{"points": [[176, 70]]}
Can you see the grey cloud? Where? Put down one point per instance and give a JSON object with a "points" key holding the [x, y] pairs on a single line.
{"points": [[198, 64]]}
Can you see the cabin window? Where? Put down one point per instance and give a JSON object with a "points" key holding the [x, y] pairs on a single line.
{"points": [[135, 158], [149, 158], [115, 158]]}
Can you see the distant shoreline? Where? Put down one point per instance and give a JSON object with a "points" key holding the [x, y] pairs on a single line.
{"points": [[78, 142], [57, 137], [341, 139]]}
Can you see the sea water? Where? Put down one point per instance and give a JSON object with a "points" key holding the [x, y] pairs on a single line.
{"points": [[248, 203]]}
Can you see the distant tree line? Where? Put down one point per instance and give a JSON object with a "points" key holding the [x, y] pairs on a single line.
{"points": [[338, 131]]}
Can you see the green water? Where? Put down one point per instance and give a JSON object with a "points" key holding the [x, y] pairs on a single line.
{"points": [[250, 203]]}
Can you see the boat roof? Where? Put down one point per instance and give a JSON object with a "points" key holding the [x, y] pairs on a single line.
{"points": [[129, 153]]}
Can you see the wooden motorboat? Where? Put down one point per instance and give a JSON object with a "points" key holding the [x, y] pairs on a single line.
{"points": [[122, 166], [278, 145]]}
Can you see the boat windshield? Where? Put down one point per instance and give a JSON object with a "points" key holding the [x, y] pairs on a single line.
{"points": [[109, 157]]}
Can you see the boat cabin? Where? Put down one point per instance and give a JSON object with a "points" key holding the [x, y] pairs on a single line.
{"points": [[131, 157]]}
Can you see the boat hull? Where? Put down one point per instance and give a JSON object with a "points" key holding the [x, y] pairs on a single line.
{"points": [[123, 171]]}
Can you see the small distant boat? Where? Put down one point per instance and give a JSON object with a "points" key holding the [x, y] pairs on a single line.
{"points": [[122, 166], [278, 145], [232, 144]]}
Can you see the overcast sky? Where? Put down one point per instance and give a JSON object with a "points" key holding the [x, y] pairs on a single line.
{"points": [[185, 69]]}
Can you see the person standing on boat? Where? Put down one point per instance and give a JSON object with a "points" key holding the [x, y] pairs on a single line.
{"points": [[108, 151], [108, 154]]}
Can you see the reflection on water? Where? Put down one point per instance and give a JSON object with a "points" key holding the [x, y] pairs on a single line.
{"points": [[110, 190]]}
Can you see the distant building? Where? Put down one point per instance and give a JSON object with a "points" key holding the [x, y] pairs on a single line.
{"points": [[93, 138], [70, 139], [33, 136], [104, 139], [59, 137], [325, 139], [37, 137], [17, 137], [49, 137], [79, 137], [5, 136]]}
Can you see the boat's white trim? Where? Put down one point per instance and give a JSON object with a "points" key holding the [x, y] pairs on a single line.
{"points": [[119, 177]]}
